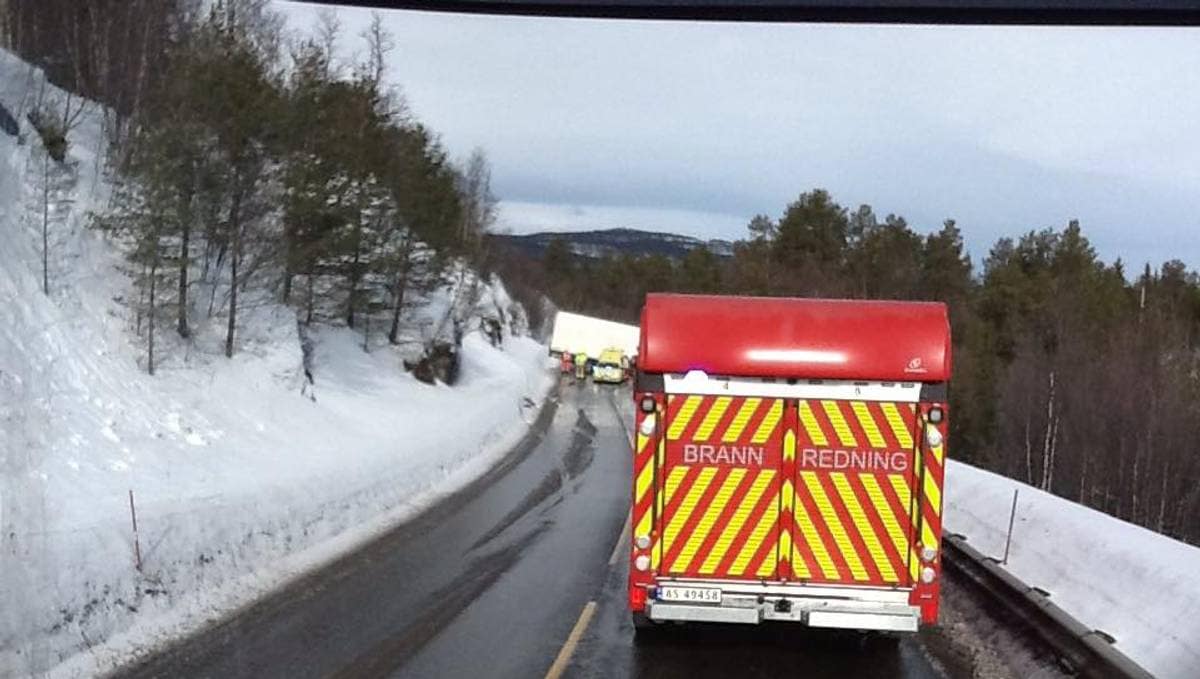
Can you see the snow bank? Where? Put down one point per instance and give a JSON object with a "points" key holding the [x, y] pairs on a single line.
{"points": [[240, 480], [1141, 587]]}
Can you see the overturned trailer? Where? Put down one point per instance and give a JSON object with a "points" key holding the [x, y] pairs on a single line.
{"points": [[576, 333]]}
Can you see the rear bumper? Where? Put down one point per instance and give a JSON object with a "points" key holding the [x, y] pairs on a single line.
{"points": [[860, 608]]}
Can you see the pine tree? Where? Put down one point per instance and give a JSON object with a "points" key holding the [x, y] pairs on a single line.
{"points": [[143, 219], [239, 106], [699, 272], [813, 229]]}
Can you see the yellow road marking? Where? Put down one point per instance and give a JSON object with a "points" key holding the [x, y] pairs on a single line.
{"points": [[622, 539], [563, 660]]}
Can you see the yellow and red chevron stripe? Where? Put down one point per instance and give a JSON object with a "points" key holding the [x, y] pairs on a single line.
{"points": [[934, 461], [721, 512], [753, 507], [643, 484], [647, 479], [854, 525]]}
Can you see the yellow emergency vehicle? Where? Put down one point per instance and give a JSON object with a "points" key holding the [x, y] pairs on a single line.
{"points": [[610, 367]]}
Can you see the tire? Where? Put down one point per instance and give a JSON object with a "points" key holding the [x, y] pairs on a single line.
{"points": [[883, 641], [645, 630]]}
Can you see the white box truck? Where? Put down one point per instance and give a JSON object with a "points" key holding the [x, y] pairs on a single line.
{"points": [[576, 333]]}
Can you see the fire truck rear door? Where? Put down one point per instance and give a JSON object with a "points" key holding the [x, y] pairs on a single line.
{"points": [[720, 486], [853, 474]]}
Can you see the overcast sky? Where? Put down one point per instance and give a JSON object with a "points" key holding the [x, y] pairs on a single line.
{"points": [[695, 127]]}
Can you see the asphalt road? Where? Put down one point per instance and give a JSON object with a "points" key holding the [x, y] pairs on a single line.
{"points": [[492, 582]]}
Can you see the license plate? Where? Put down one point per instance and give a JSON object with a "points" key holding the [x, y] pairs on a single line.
{"points": [[703, 595]]}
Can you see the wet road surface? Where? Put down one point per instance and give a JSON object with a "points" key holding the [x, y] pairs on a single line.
{"points": [[780, 650], [491, 581]]}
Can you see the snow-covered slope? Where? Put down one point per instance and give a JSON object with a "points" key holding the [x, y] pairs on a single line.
{"points": [[239, 479], [1141, 587]]}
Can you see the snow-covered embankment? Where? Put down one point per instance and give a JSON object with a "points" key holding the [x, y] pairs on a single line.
{"points": [[1138, 586], [240, 480]]}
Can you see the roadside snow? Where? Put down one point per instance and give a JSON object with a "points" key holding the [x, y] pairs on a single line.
{"points": [[240, 479], [1138, 586]]}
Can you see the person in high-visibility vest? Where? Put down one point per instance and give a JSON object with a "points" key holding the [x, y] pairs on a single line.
{"points": [[581, 360]]}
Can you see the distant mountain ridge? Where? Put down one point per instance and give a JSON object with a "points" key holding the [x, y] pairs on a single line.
{"points": [[609, 242]]}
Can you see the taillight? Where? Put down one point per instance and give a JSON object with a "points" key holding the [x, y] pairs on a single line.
{"points": [[637, 598]]}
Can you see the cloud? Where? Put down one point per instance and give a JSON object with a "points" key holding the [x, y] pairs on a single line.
{"points": [[1004, 128]]}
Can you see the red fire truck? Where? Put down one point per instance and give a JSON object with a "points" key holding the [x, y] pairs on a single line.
{"points": [[788, 461]]}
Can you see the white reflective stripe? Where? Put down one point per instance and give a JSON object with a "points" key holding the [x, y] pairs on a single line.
{"points": [[702, 613], [906, 619], [837, 390]]}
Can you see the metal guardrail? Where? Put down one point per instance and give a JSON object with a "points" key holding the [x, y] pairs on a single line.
{"points": [[1086, 651]]}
